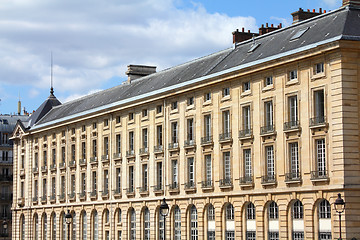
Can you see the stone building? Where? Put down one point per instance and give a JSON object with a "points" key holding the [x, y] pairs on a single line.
{"points": [[7, 125], [253, 142]]}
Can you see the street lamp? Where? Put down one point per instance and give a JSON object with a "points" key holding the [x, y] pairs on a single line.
{"points": [[5, 226], [68, 220], [339, 208], [164, 211]]}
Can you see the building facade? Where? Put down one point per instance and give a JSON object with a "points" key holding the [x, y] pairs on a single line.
{"points": [[253, 142], [7, 125]]}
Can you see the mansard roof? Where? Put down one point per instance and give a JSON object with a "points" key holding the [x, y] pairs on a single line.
{"points": [[341, 24]]}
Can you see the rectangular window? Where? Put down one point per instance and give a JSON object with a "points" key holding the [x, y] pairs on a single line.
{"points": [[94, 125], [246, 86], [293, 111], [118, 143], [118, 120], [106, 122], [131, 179], [35, 189], [226, 92], [247, 163], [269, 120], [44, 187], [319, 68], [131, 116], [158, 109], [131, 142], [73, 152], [36, 160], [246, 118], [207, 124], [174, 166], [191, 172], [106, 146], [73, 183], [62, 185], [174, 105], [292, 75], [63, 156], [83, 183], [227, 166], [159, 135], [294, 160], [145, 177], [321, 157], [145, 138], [270, 164], [208, 167], [226, 122], [94, 148], [207, 96], [190, 101], [319, 107], [190, 129], [94, 187], [174, 132], [118, 180], [159, 174], [106, 181], [83, 147], [144, 113], [268, 81], [45, 158], [53, 186]]}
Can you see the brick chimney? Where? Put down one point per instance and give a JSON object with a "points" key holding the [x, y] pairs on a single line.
{"points": [[301, 15], [242, 36], [263, 30], [351, 2], [138, 71]]}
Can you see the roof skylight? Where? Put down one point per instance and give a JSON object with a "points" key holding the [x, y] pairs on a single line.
{"points": [[299, 34]]}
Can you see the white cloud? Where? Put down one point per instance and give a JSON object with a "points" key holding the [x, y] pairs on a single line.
{"points": [[94, 41]]}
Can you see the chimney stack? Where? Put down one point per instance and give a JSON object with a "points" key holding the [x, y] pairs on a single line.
{"points": [[301, 15], [242, 36], [263, 30], [138, 71], [351, 2]]}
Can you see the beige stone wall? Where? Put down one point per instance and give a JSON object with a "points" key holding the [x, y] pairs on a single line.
{"points": [[340, 84]]}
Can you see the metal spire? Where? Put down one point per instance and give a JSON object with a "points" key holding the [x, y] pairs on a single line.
{"points": [[51, 88]]}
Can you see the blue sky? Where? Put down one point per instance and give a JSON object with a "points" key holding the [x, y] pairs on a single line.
{"points": [[93, 41]]}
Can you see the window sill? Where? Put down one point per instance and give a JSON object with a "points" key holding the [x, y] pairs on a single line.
{"points": [[268, 88], [292, 82], [246, 93]]}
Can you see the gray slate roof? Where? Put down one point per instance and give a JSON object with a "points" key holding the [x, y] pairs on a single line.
{"points": [[343, 23], [8, 122]]}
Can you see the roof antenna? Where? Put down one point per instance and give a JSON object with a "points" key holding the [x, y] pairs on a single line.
{"points": [[51, 88]]}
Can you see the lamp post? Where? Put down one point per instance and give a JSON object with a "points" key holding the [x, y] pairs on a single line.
{"points": [[5, 226], [164, 211], [339, 208], [68, 220]]}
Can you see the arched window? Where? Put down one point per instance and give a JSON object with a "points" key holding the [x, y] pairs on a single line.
{"points": [[22, 227], [297, 221], [273, 221], [132, 224], [84, 225], [161, 226], [73, 225], [36, 226], [44, 226], [193, 223], [53, 226], [324, 220], [118, 231], [63, 226], [146, 224], [106, 216], [211, 222], [250, 222], [177, 223], [229, 223], [95, 222], [105, 222]]}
